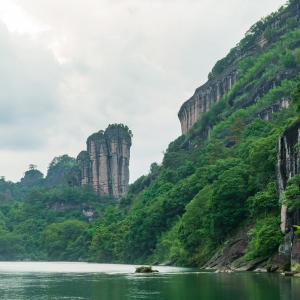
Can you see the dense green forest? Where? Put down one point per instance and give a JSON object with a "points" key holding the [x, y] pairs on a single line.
{"points": [[202, 193]]}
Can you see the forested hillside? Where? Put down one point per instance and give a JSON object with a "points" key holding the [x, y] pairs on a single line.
{"points": [[214, 182]]}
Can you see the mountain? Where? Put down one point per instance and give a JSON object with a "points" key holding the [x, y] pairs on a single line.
{"points": [[105, 164], [214, 200]]}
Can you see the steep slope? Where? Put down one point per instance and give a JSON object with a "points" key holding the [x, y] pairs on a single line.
{"points": [[260, 39]]}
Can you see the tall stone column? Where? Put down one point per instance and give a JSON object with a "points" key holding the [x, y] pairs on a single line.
{"points": [[98, 151], [118, 144], [84, 163]]}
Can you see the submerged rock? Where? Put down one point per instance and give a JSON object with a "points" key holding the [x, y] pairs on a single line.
{"points": [[145, 270]]}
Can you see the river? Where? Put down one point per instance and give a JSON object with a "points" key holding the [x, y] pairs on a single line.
{"points": [[66, 280]]}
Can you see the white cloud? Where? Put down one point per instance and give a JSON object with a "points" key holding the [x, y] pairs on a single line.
{"points": [[17, 20], [94, 62]]}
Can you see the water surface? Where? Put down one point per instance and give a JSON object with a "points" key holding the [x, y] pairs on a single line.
{"points": [[53, 281]]}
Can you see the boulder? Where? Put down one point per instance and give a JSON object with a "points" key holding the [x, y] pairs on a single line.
{"points": [[145, 270]]}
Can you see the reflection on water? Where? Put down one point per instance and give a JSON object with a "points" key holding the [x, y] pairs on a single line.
{"points": [[53, 281]]}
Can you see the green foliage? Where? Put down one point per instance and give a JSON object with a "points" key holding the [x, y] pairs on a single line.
{"points": [[269, 34], [218, 68], [297, 147], [203, 192], [154, 168], [264, 202], [136, 186], [291, 196], [296, 94], [236, 131], [63, 241], [170, 248], [257, 128], [289, 60], [98, 134], [175, 145], [11, 246], [32, 167], [291, 22], [196, 226], [121, 127], [297, 229], [64, 161], [228, 201], [246, 64], [101, 134], [33, 172], [265, 237]]}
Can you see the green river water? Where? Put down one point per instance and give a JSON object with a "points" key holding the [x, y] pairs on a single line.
{"points": [[53, 281]]}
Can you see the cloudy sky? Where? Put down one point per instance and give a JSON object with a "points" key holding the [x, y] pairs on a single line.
{"points": [[69, 68]]}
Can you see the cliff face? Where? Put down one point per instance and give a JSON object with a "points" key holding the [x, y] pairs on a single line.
{"points": [[30, 178], [56, 177], [214, 89], [105, 164], [204, 97], [118, 144], [288, 165]]}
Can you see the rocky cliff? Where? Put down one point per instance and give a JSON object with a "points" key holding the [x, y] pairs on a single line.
{"points": [[30, 178], [288, 165], [105, 164], [204, 97], [227, 72]]}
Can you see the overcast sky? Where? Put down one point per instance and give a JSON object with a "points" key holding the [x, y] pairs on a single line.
{"points": [[68, 68]]}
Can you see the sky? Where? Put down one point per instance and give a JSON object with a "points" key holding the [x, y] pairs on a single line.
{"points": [[68, 68]]}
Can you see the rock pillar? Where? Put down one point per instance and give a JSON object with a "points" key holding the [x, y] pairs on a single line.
{"points": [[105, 164]]}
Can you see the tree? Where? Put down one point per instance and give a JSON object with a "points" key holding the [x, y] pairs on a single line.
{"points": [[291, 22], [236, 131], [154, 167], [228, 200], [32, 167], [291, 196], [296, 94], [289, 60], [269, 34], [265, 237], [58, 239], [64, 160]]}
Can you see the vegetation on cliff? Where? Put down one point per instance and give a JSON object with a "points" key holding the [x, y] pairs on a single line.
{"points": [[101, 133], [202, 193]]}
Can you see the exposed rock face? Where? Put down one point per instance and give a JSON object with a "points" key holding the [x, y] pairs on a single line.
{"points": [[87, 210], [30, 178], [214, 89], [266, 113], [105, 164], [288, 165], [100, 165], [230, 256], [56, 176], [83, 169], [119, 144], [204, 97]]}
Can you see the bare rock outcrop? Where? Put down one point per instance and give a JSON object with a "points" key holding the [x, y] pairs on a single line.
{"points": [[288, 165], [30, 178], [204, 97], [215, 88], [105, 164]]}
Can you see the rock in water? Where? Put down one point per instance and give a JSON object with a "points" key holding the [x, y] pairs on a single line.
{"points": [[145, 270]]}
